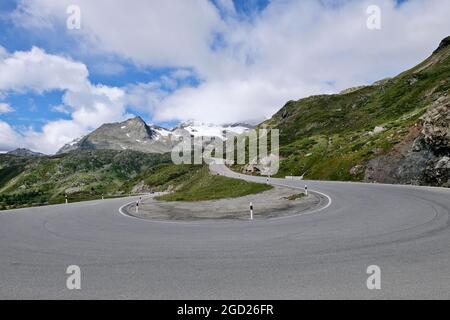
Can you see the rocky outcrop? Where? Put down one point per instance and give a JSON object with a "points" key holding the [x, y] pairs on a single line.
{"points": [[423, 157], [436, 125]]}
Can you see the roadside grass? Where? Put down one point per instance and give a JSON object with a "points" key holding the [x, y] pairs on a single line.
{"points": [[200, 185]]}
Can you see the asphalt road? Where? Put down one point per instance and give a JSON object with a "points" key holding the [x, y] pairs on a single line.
{"points": [[403, 230]]}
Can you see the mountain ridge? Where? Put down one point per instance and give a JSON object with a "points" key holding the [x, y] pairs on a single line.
{"points": [[23, 152], [135, 134]]}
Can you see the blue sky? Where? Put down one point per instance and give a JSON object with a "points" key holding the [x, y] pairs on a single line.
{"points": [[215, 61]]}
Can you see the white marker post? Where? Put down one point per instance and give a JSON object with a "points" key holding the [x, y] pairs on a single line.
{"points": [[103, 197], [67, 201], [251, 210], [306, 190], [137, 206]]}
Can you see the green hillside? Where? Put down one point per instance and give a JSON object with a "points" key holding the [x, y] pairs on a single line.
{"points": [[328, 135], [82, 175], [89, 174]]}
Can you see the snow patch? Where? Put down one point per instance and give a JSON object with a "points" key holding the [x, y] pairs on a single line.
{"points": [[210, 130], [163, 132]]}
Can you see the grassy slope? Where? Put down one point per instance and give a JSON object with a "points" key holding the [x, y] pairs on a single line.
{"points": [[328, 135], [84, 175], [198, 184]]}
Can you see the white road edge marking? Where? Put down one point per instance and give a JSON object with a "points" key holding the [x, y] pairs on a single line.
{"points": [[253, 221]]}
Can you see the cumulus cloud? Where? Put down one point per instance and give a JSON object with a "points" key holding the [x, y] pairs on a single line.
{"points": [[52, 136], [9, 139], [89, 105], [157, 33], [35, 70], [182, 74], [96, 105], [3, 52], [144, 97], [5, 108], [207, 103], [61, 108]]}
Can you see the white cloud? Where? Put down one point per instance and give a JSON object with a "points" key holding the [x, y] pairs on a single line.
{"points": [[9, 139], [182, 74], [96, 105], [35, 70], [61, 108], [52, 136], [158, 32], [89, 105], [5, 108], [144, 97], [3, 52], [225, 101]]}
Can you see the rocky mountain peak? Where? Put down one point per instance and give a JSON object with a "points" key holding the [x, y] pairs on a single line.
{"points": [[136, 120], [131, 134], [22, 152], [444, 44]]}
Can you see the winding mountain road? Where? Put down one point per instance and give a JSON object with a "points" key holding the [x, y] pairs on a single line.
{"points": [[404, 230]]}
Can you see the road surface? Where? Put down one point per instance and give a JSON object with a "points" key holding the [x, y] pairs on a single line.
{"points": [[403, 230]]}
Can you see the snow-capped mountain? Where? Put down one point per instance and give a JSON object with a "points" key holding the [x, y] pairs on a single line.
{"points": [[135, 134], [73, 145], [132, 134]]}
